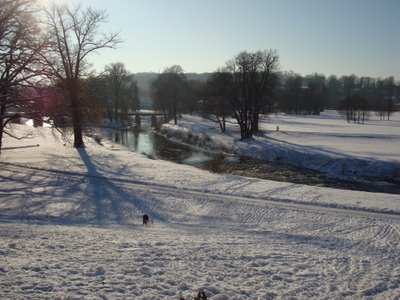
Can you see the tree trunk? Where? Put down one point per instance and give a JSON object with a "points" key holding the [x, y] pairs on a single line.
{"points": [[255, 124], [77, 119], [78, 137], [2, 113], [1, 136], [245, 132], [220, 123], [174, 112]]}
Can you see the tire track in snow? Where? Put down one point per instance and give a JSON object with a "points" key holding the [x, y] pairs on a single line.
{"points": [[228, 198]]}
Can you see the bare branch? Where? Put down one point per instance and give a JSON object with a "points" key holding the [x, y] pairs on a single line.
{"points": [[73, 35], [28, 135]]}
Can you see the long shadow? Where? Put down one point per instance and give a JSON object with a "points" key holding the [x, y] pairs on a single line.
{"points": [[20, 147], [108, 198], [97, 197]]}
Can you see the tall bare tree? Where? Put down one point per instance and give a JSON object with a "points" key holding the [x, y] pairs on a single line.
{"points": [[290, 101], [316, 93], [20, 66], [252, 75], [355, 108], [73, 35], [218, 92], [168, 91], [121, 91]]}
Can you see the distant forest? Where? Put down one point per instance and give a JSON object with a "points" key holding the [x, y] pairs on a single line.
{"points": [[295, 94], [144, 80], [293, 86]]}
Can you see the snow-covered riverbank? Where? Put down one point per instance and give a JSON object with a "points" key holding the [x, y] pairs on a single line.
{"points": [[71, 229], [326, 143]]}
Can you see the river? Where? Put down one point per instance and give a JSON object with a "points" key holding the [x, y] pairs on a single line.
{"points": [[143, 139]]}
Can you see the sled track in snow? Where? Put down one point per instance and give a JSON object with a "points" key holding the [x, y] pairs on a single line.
{"points": [[226, 197]]}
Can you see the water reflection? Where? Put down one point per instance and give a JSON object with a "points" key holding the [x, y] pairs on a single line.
{"points": [[134, 139], [142, 139]]}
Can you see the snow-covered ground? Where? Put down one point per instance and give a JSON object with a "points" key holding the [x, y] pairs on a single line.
{"points": [[70, 226], [325, 143]]}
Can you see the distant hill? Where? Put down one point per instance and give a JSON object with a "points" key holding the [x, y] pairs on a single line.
{"points": [[198, 76], [144, 80]]}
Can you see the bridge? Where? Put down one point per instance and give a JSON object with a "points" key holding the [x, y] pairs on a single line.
{"points": [[146, 113]]}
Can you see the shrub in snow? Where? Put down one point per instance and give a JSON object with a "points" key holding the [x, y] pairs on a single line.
{"points": [[191, 137], [215, 163], [94, 136], [204, 139]]}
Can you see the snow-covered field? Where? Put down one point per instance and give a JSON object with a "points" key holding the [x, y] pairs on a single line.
{"points": [[325, 143], [70, 226]]}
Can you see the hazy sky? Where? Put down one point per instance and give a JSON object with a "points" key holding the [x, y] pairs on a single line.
{"points": [[338, 37]]}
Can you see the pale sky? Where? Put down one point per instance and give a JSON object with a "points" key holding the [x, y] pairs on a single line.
{"points": [[338, 37]]}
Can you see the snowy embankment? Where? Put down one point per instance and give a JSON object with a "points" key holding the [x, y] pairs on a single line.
{"points": [[70, 223], [325, 143]]}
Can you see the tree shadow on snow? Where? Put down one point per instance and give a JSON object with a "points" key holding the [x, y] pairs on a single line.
{"points": [[106, 201], [36, 194]]}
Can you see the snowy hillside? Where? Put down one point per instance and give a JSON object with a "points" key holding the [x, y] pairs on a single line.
{"points": [[70, 226]]}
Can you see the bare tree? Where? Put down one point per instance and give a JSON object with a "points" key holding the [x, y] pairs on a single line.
{"points": [[168, 91], [252, 78], [334, 92], [355, 107], [390, 88], [20, 66], [73, 35], [218, 92], [348, 84], [121, 91], [317, 92], [291, 100]]}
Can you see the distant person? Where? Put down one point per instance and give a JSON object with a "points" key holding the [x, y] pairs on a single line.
{"points": [[145, 219]]}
